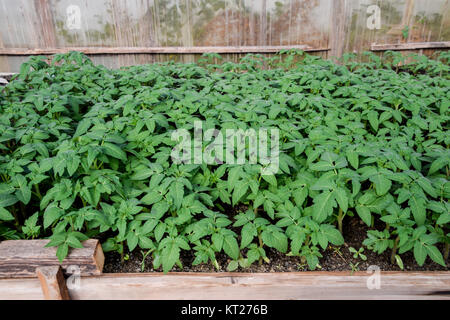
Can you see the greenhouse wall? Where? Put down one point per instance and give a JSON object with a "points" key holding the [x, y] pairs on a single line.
{"points": [[330, 28]]}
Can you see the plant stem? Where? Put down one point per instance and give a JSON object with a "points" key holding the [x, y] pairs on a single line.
{"points": [[260, 245], [16, 218], [446, 250], [38, 192], [22, 211], [340, 218], [394, 250]]}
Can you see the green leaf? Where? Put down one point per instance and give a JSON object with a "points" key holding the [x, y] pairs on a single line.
{"points": [[399, 261], [364, 214], [323, 206], [382, 184], [24, 192], [353, 158], [142, 174], [248, 232], [73, 242], [333, 235], [233, 265], [159, 231], [7, 200], [420, 253], [435, 255], [5, 215], [239, 191], [217, 240], [132, 240], [62, 252], [270, 179], [146, 243], [178, 193], [425, 184], [342, 199], [418, 209], [151, 198], [231, 247], [82, 127], [312, 261], [170, 255], [114, 151], [437, 165], [321, 166], [51, 214], [373, 119]]}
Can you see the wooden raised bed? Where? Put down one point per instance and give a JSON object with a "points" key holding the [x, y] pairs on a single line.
{"points": [[199, 286]]}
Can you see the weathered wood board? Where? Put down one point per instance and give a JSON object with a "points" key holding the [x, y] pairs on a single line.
{"points": [[410, 46], [53, 284], [20, 258], [162, 50], [248, 286]]}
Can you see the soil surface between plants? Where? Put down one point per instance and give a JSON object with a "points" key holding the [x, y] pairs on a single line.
{"points": [[334, 259]]}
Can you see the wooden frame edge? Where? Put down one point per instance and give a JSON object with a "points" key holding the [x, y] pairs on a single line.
{"points": [[340, 285], [155, 50], [410, 46]]}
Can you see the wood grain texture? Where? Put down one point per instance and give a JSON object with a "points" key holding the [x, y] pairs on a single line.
{"points": [[249, 286], [410, 46], [337, 28], [53, 284], [166, 50], [20, 258]]}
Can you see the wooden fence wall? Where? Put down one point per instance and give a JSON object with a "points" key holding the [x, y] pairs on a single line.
{"points": [[125, 32]]}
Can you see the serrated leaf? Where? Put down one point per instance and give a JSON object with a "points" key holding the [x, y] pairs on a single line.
{"points": [[231, 247], [435, 255], [364, 214], [342, 199], [323, 206], [5, 215], [382, 184], [114, 151]]}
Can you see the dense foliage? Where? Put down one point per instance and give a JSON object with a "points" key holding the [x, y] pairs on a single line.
{"points": [[85, 152]]}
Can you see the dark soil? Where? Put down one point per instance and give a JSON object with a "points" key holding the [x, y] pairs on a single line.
{"points": [[334, 259]]}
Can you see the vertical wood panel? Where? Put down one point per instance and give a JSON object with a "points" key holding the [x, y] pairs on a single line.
{"points": [[45, 23], [337, 30], [340, 24]]}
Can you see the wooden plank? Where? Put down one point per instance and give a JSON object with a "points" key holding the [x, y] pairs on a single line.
{"points": [[410, 46], [337, 28], [246, 286], [4, 63], [7, 75], [20, 258], [142, 50], [46, 26], [53, 283]]}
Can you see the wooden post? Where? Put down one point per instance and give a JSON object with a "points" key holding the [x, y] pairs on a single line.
{"points": [[53, 283], [4, 63], [21, 258], [408, 13], [337, 28], [47, 28]]}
